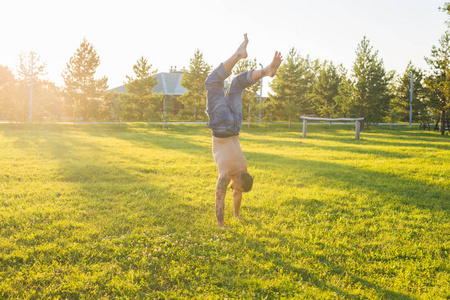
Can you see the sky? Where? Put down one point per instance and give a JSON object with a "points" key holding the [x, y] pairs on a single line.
{"points": [[168, 32]]}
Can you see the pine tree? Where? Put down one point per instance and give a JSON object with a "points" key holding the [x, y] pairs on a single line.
{"points": [[249, 99], [438, 83], [293, 85], [326, 91], [371, 90], [401, 102], [83, 93], [193, 80], [141, 101], [446, 9], [345, 97]]}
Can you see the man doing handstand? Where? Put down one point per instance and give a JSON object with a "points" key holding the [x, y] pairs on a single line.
{"points": [[224, 111]]}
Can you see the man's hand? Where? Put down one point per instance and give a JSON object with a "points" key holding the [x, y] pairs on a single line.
{"points": [[221, 190]]}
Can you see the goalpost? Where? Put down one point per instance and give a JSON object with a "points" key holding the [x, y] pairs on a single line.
{"points": [[356, 120]]}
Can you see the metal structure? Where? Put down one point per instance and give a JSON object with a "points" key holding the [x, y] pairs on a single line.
{"points": [[31, 89], [260, 97], [356, 120], [411, 99]]}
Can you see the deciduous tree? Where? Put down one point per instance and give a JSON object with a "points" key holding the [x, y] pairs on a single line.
{"points": [[8, 94], [29, 64]]}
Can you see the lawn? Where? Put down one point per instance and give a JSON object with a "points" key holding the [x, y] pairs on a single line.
{"points": [[98, 212]]}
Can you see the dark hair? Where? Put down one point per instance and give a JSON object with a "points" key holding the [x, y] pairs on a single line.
{"points": [[245, 180]]}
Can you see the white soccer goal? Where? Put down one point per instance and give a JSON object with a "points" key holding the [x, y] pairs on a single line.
{"points": [[356, 120]]}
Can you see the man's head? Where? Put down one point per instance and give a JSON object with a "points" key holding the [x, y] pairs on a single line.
{"points": [[243, 182]]}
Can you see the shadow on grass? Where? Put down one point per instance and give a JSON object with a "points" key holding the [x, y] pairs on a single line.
{"points": [[302, 273], [106, 189], [426, 141], [133, 203], [376, 138], [182, 138], [408, 191], [342, 147]]}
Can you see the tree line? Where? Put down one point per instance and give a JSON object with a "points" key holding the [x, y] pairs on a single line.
{"points": [[303, 86]]}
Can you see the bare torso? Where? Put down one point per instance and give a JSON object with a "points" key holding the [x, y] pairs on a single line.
{"points": [[228, 156]]}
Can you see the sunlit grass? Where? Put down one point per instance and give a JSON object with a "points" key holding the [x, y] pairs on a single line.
{"points": [[98, 212]]}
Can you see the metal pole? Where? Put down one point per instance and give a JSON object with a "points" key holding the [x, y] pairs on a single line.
{"points": [[357, 130], [164, 111], [118, 109], [31, 90], [305, 123], [260, 97], [411, 99]]}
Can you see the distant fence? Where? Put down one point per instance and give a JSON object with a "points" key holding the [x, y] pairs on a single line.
{"points": [[356, 120]]}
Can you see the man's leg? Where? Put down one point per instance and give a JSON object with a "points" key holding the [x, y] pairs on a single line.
{"points": [[240, 53], [215, 95], [214, 82], [269, 70], [245, 79], [216, 99]]}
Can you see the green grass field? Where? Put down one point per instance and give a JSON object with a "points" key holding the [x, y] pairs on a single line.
{"points": [[97, 212]]}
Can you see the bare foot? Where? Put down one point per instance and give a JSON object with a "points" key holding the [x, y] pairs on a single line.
{"points": [[241, 52], [272, 69]]}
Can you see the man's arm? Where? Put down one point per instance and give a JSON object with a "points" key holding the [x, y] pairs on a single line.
{"points": [[237, 197], [221, 190]]}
